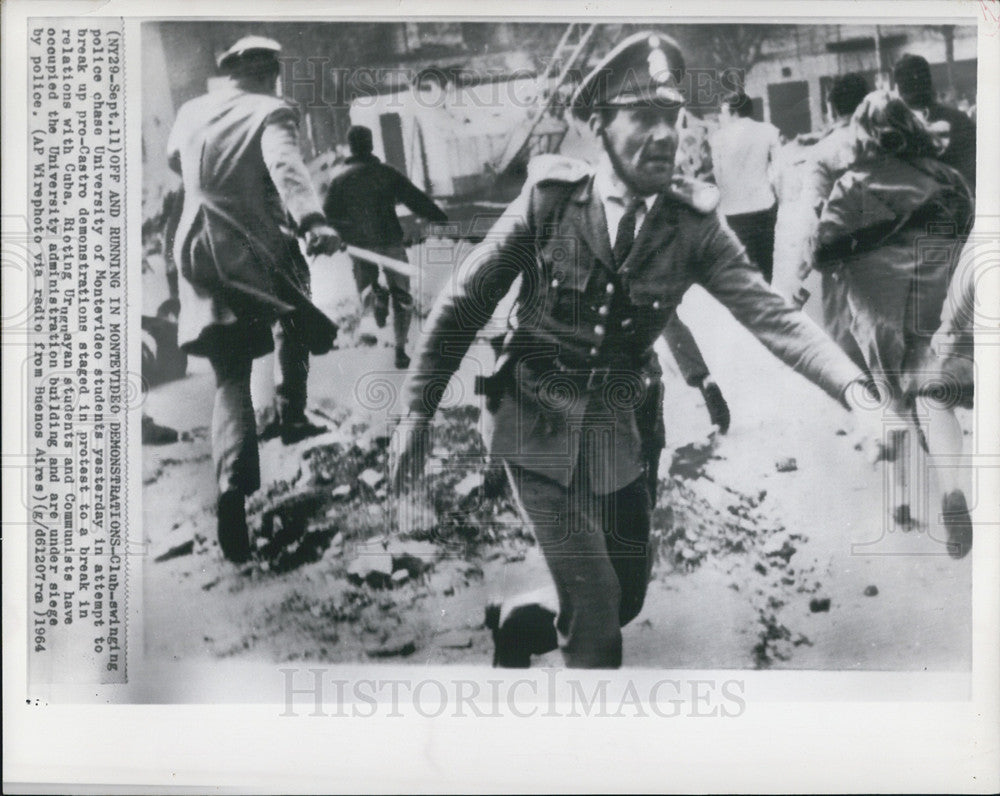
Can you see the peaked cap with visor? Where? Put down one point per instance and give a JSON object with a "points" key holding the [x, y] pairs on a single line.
{"points": [[644, 69], [249, 55]]}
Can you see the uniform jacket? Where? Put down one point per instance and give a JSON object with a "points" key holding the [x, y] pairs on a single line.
{"points": [[246, 194], [585, 328], [361, 202]]}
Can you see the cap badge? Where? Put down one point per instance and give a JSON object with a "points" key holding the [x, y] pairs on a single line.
{"points": [[659, 69]]}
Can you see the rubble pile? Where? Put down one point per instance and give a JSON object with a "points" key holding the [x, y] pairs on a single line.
{"points": [[334, 515], [694, 521], [698, 521], [362, 588]]}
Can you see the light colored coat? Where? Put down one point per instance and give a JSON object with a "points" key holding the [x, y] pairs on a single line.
{"points": [[246, 194], [894, 229]]}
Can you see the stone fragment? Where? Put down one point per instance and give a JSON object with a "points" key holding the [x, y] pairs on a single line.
{"points": [[342, 492], [786, 465], [393, 647], [178, 550], [871, 591], [372, 479], [415, 557], [373, 569], [819, 604], [399, 577], [780, 546]]}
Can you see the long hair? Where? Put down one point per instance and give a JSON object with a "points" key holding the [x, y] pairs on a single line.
{"points": [[884, 125]]}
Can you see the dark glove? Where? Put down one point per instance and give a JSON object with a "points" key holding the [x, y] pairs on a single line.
{"points": [[718, 409]]}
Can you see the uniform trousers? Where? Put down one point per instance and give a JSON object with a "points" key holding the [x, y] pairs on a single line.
{"points": [[234, 426], [597, 549], [366, 275]]}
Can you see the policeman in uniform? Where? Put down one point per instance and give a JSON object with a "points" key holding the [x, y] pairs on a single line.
{"points": [[605, 257], [245, 286]]}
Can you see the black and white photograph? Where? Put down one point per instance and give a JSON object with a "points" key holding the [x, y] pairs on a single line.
{"points": [[525, 344], [396, 393]]}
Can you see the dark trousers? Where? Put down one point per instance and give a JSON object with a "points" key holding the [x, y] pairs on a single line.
{"points": [[291, 370], [234, 426], [685, 351], [756, 232], [597, 550], [366, 276]]}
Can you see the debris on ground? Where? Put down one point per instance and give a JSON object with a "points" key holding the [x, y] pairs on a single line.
{"points": [[401, 646], [185, 548], [372, 569], [342, 492], [819, 604], [689, 461], [330, 521], [371, 480]]}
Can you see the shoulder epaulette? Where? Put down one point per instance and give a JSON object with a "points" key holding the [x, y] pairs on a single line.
{"points": [[544, 169], [703, 197]]}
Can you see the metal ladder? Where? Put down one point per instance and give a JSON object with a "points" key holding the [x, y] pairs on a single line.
{"points": [[572, 45]]}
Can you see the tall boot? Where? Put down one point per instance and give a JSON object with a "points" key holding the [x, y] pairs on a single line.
{"points": [[234, 536]]}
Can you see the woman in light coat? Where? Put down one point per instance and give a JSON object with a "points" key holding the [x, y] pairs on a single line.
{"points": [[894, 225]]}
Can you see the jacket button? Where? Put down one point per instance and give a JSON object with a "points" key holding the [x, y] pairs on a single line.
{"points": [[610, 288], [626, 323], [555, 283], [656, 305], [593, 352], [602, 310], [599, 330]]}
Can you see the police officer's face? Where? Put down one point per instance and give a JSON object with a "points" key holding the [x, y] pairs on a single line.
{"points": [[642, 144]]}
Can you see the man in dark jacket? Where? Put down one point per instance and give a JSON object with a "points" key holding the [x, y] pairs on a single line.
{"points": [[912, 75], [575, 394], [361, 205], [247, 196]]}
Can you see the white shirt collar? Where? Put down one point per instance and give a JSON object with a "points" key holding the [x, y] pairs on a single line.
{"points": [[610, 187]]}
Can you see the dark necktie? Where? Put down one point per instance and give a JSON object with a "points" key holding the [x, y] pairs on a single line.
{"points": [[626, 230]]}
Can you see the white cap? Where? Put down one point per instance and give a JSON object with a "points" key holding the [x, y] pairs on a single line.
{"points": [[247, 45]]}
